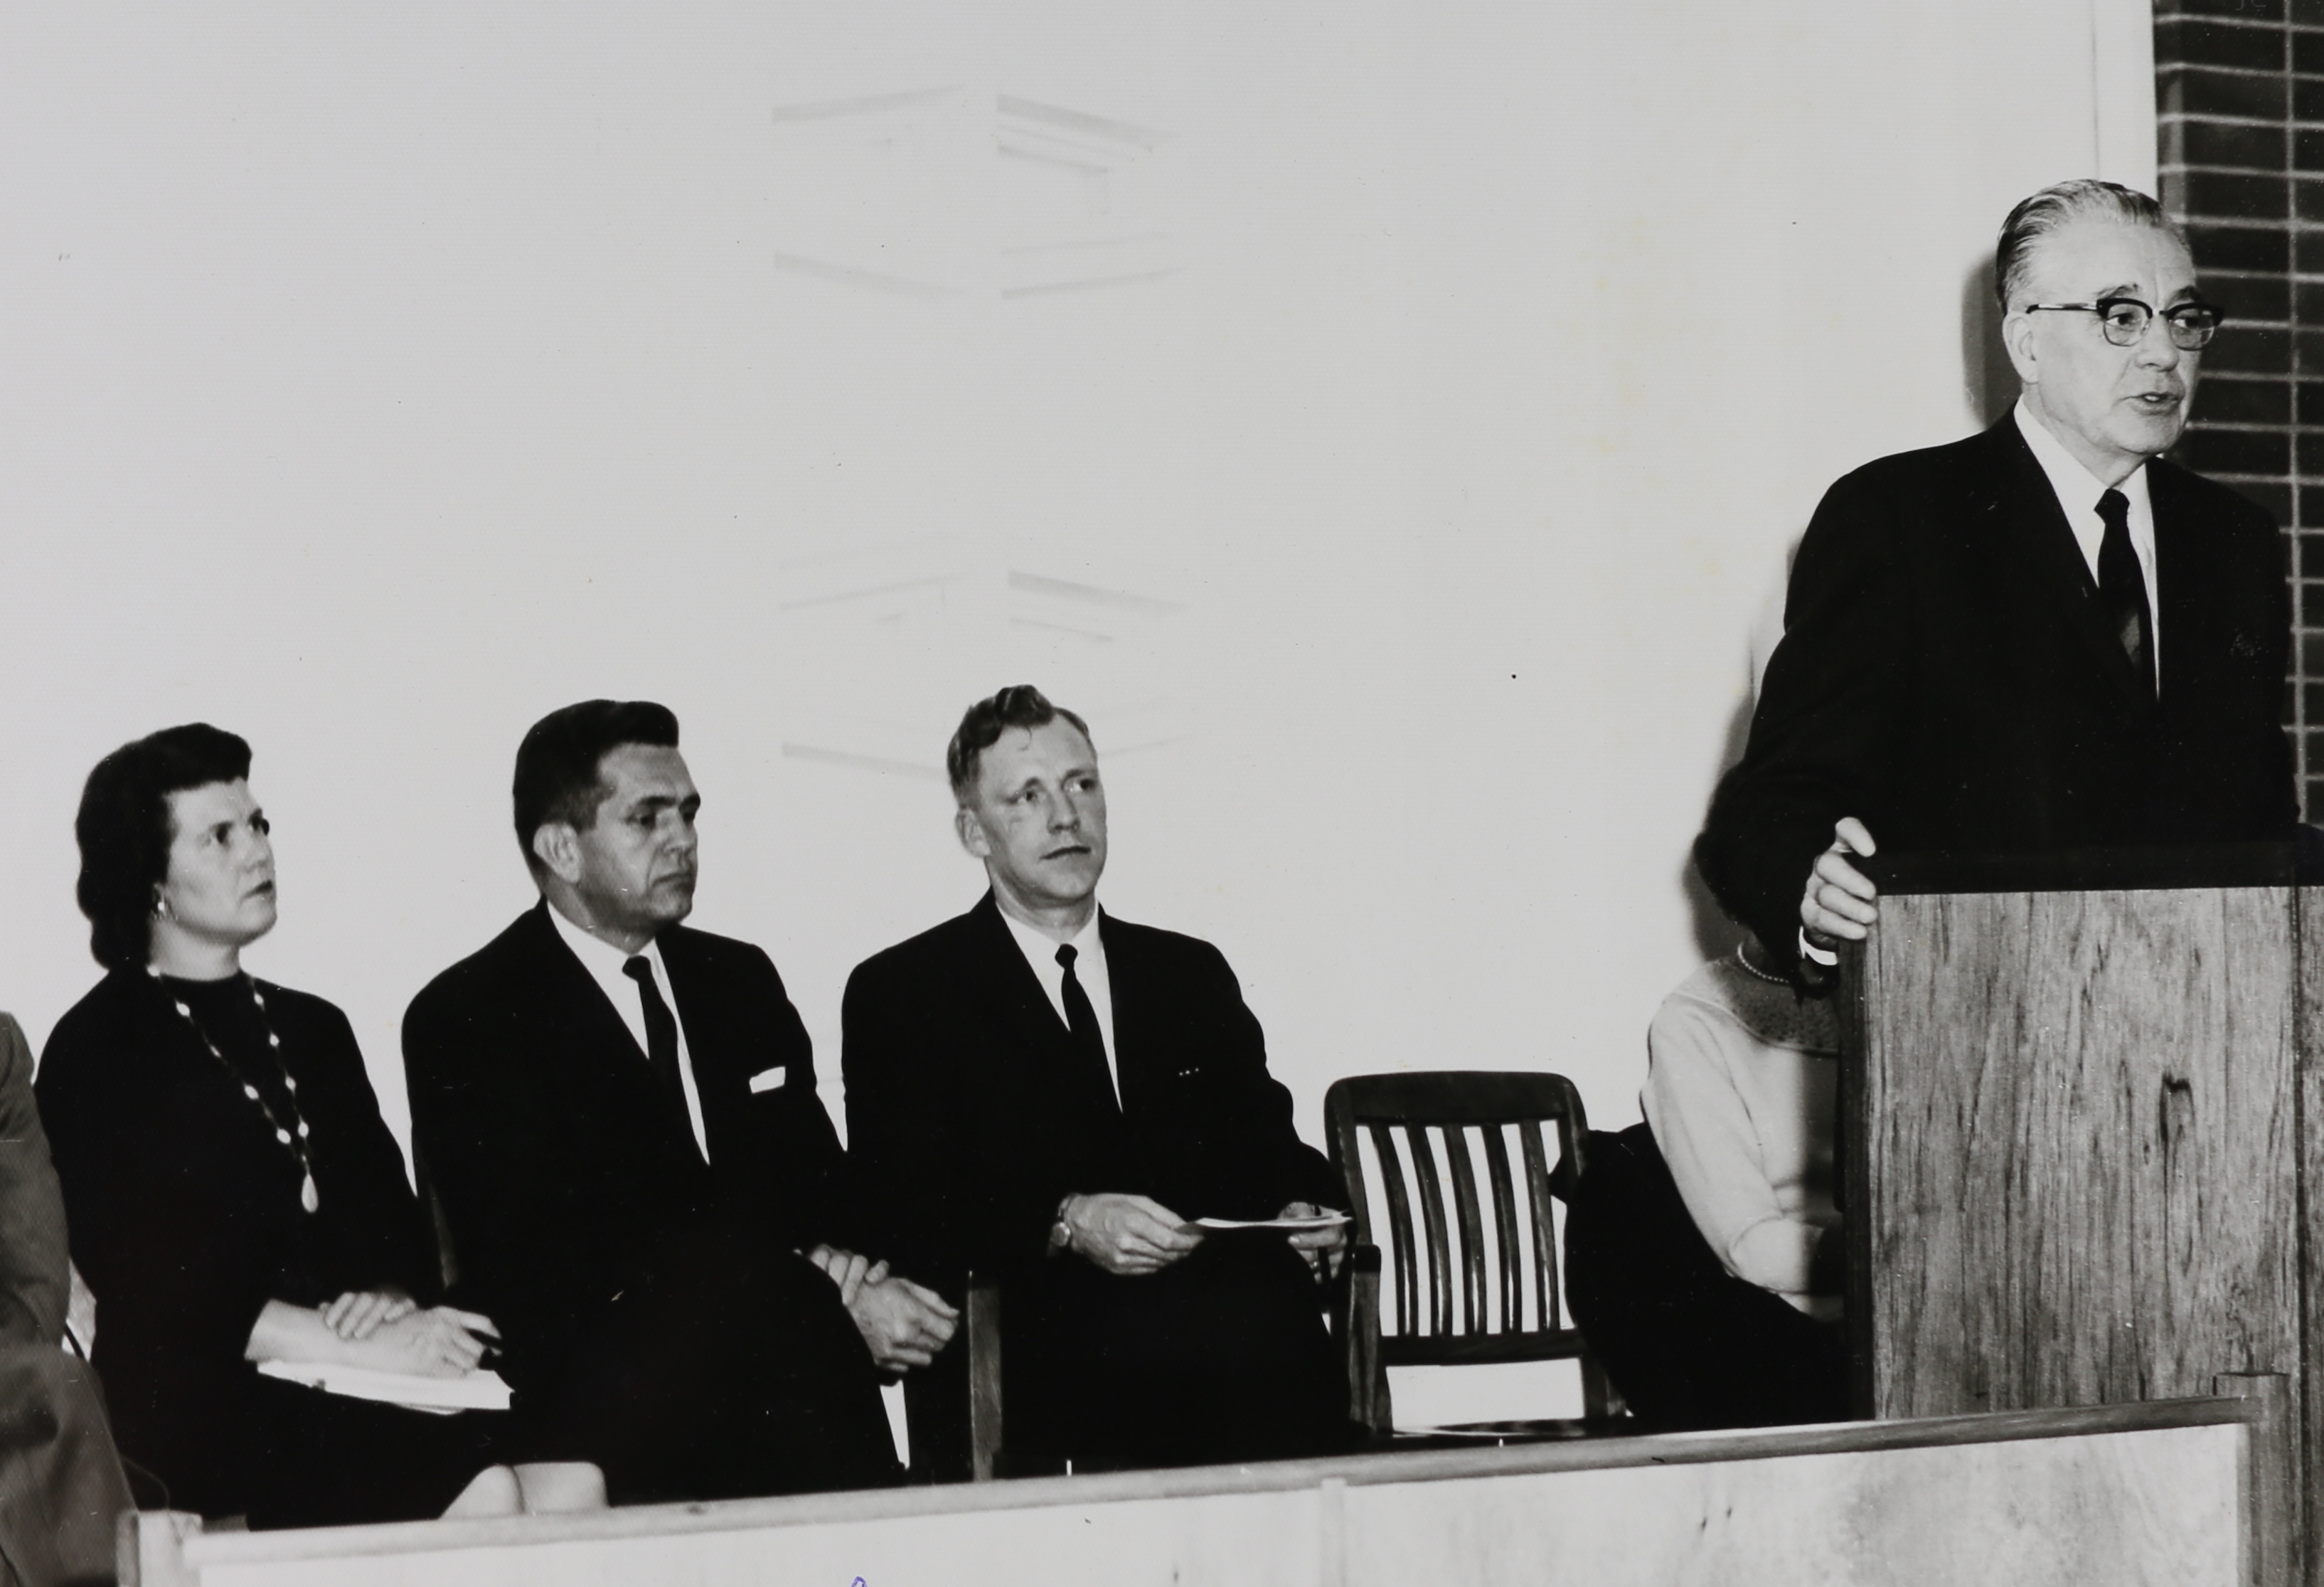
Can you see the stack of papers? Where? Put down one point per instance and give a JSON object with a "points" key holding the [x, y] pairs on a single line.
{"points": [[480, 1390]]}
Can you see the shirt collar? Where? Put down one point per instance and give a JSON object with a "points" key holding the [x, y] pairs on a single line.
{"points": [[1040, 949], [2078, 490], [602, 958]]}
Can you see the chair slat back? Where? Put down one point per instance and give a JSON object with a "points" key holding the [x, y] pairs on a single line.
{"points": [[1425, 1118], [1400, 1217], [1440, 1252], [1464, 1173], [1545, 1274], [1505, 1222]]}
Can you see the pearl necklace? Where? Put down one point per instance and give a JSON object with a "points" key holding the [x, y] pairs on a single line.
{"points": [[1751, 969], [297, 1144]]}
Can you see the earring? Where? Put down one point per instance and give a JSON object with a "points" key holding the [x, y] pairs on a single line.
{"points": [[161, 907]]}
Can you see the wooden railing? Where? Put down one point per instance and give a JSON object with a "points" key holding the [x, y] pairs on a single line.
{"points": [[2162, 1491]]}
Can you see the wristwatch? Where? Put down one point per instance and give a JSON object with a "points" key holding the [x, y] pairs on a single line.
{"points": [[1061, 1233]]}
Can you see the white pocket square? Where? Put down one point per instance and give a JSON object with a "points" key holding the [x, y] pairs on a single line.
{"points": [[769, 1079]]}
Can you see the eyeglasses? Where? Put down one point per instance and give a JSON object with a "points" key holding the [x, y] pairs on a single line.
{"points": [[2124, 320]]}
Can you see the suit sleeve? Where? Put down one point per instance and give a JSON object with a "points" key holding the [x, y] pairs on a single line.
{"points": [[517, 1254], [1830, 718], [2274, 795], [1258, 1157], [802, 1179], [33, 1286], [927, 1208]]}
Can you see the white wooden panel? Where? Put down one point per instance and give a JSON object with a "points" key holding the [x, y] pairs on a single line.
{"points": [[2119, 1508], [2159, 1505], [1230, 1540]]}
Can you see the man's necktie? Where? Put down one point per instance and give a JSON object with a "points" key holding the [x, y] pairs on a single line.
{"points": [[2122, 587], [1091, 1070], [661, 1045]]}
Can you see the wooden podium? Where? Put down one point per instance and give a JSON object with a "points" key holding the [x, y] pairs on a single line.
{"points": [[2080, 1116]]}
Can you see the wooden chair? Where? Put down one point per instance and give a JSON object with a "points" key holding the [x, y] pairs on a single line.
{"points": [[1484, 1317]]}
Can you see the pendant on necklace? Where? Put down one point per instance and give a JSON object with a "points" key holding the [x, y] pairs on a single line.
{"points": [[307, 1196]]}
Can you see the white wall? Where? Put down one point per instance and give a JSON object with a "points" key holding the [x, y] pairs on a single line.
{"points": [[1392, 468]]}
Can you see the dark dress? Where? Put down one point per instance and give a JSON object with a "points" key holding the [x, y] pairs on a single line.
{"points": [[185, 1218]]}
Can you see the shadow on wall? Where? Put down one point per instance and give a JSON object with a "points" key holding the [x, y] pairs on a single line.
{"points": [[1987, 380], [1715, 936], [1989, 386]]}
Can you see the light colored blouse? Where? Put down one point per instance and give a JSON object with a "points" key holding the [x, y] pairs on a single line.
{"points": [[1741, 1087]]}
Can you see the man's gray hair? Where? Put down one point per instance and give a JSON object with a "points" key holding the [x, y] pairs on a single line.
{"points": [[2058, 206]]}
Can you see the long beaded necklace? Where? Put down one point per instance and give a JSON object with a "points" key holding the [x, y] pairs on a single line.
{"points": [[296, 1144]]}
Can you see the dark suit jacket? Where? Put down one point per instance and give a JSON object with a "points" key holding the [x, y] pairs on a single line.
{"points": [[33, 1262], [966, 1129], [560, 1176], [1945, 675]]}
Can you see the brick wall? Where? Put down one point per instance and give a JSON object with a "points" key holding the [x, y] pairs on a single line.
{"points": [[2240, 88]]}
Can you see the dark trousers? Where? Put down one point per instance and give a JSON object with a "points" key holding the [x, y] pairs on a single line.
{"points": [[327, 1460], [1689, 1344], [729, 1371], [1221, 1357]]}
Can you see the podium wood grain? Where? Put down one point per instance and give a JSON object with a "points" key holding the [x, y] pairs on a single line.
{"points": [[2309, 1387], [2079, 1114]]}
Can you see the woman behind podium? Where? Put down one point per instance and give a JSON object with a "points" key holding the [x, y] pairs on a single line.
{"points": [[1703, 1251], [232, 1194]]}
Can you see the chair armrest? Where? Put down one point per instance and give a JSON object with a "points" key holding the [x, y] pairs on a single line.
{"points": [[983, 1376]]}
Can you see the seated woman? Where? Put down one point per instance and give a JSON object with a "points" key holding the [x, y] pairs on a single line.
{"points": [[232, 1194], [1703, 1255]]}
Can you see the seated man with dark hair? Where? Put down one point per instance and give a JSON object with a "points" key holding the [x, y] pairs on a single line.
{"points": [[619, 1117], [1040, 1093]]}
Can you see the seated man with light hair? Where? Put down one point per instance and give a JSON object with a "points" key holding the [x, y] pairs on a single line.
{"points": [[1043, 1093]]}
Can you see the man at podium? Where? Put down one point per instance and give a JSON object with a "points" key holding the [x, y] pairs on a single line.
{"points": [[2043, 638]]}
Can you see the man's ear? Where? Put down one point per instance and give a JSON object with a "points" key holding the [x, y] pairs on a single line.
{"points": [[2017, 337], [556, 845], [971, 833]]}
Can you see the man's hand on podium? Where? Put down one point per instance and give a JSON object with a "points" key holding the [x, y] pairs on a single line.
{"points": [[1840, 900]]}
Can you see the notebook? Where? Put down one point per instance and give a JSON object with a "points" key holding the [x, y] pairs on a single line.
{"points": [[480, 1390]]}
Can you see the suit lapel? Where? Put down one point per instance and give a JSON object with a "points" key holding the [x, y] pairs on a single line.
{"points": [[1022, 1010], [1125, 969], [598, 1053], [718, 1083], [2058, 574], [592, 1022], [2179, 569], [1019, 1002]]}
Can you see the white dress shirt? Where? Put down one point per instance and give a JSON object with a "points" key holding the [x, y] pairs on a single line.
{"points": [[603, 962], [2079, 491], [1089, 969]]}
